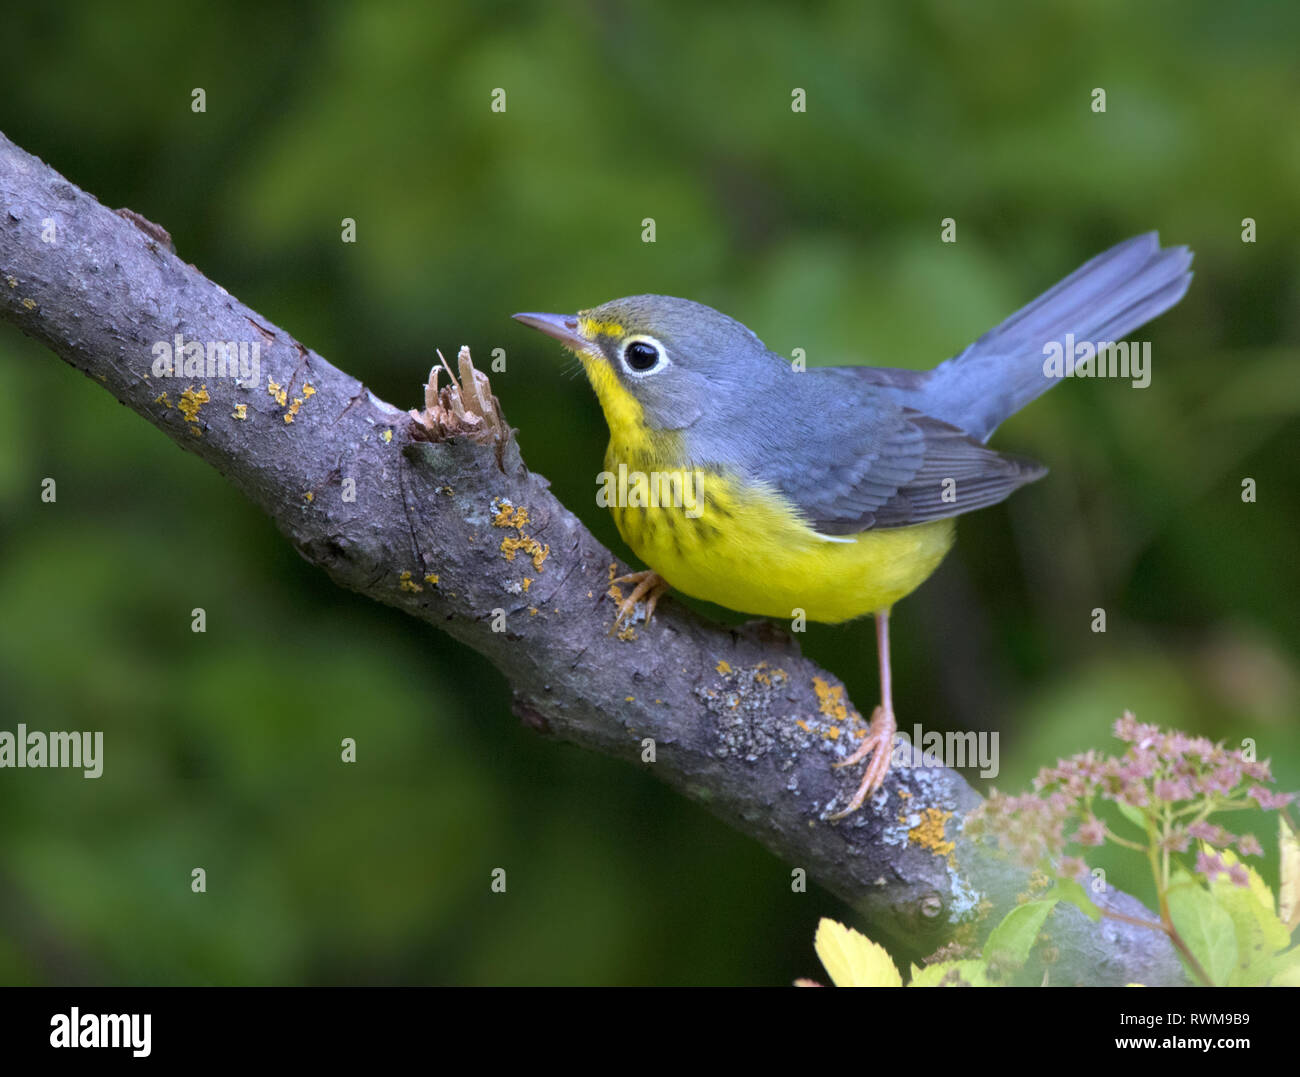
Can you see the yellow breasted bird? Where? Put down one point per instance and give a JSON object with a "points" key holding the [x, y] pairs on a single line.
{"points": [[830, 490]]}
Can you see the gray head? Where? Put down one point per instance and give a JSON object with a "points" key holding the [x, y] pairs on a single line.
{"points": [[674, 358]]}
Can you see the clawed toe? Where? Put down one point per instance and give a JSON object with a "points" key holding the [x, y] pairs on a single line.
{"points": [[648, 586]]}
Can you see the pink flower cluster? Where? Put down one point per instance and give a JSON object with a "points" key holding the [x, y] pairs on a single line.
{"points": [[1173, 781]]}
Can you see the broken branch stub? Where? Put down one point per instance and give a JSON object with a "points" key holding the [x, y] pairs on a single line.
{"points": [[464, 408]]}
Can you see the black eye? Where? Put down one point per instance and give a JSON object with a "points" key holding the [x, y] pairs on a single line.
{"points": [[641, 355]]}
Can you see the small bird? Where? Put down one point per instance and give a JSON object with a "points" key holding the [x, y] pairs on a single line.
{"points": [[830, 490]]}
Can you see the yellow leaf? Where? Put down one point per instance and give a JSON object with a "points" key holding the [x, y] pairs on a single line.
{"points": [[853, 960], [1289, 892], [1288, 977], [967, 973]]}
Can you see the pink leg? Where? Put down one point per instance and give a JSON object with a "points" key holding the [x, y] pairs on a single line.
{"points": [[879, 741]]}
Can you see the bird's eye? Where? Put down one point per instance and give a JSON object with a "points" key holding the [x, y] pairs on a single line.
{"points": [[642, 356]]}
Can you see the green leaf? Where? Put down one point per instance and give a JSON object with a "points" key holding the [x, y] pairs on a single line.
{"points": [[1074, 892], [1257, 887], [1287, 969], [1256, 930], [1010, 942], [952, 974], [1132, 814], [1260, 934], [1206, 928]]}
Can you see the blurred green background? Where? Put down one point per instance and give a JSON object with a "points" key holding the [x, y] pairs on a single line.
{"points": [[819, 230]]}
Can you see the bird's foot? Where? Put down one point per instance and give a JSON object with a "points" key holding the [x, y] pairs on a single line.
{"points": [[879, 742], [648, 586]]}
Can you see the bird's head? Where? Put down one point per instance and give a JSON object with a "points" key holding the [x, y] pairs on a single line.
{"points": [[656, 359]]}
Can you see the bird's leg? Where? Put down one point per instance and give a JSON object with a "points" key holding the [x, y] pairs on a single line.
{"points": [[880, 735], [648, 585]]}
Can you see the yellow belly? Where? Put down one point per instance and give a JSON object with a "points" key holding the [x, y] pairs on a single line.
{"points": [[743, 548]]}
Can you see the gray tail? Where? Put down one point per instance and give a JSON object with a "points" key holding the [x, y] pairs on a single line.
{"points": [[1103, 300]]}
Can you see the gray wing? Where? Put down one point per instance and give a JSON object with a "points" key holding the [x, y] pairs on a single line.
{"points": [[891, 438], [864, 461]]}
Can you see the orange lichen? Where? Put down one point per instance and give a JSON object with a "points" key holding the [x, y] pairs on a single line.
{"points": [[405, 582], [506, 514], [723, 666], [830, 699], [510, 545], [191, 402], [928, 833], [189, 406]]}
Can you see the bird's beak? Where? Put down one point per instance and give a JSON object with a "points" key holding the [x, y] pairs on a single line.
{"points": [[563, 327]]}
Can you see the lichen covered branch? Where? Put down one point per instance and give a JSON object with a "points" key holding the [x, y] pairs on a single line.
{"points": [[435, 513]]}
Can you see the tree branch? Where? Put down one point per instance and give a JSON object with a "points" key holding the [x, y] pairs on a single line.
{"points": [[741, 721]]}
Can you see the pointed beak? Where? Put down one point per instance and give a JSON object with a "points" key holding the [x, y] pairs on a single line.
{"points": [[563, 327]]}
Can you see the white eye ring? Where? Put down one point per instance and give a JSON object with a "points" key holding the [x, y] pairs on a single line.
{"points": [[642, 338]]}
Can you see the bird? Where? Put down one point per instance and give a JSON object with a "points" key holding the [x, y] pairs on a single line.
{"points": [[778, 489]]}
